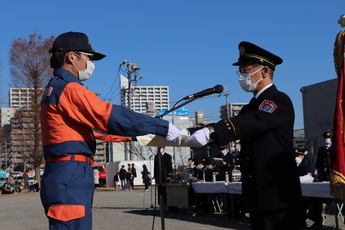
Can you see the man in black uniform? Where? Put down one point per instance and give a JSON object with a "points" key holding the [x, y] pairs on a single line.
{"points": [[271, 188], [166, 162], [322, 174], [198, 171], [322, 161], [228, 163], [166, 171], [302, 168]]}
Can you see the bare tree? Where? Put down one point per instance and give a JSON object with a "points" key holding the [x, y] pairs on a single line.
{"points": [[143, 152], [3, 136], [30, 68], [182, 153], [2, 96]]}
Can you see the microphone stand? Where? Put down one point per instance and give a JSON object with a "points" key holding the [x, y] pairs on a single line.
{"points": [[160, 185], [177, 106], [151, 180]]}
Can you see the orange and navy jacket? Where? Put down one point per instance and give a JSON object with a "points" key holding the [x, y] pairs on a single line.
{"points": [[70, 113]]}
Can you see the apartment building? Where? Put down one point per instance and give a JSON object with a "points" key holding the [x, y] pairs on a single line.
{"points": [[144, 99]]}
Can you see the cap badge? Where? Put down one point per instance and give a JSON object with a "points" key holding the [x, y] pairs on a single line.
{"points": [[242, 50]]}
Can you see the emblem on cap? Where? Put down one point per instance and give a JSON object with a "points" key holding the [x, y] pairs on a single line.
{"points": [[242, 50]]}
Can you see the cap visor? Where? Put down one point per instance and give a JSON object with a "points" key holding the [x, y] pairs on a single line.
{"points": [[97, 56]]}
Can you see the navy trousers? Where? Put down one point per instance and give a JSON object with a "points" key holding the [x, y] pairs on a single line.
{"points": [[67, 190]]}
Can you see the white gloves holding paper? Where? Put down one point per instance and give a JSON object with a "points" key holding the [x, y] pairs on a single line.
{"points": [[174, 135], [199, 138]]}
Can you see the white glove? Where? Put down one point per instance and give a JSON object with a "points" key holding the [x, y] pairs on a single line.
{"points": [[185, 132], [174, 135], [199, 138]]}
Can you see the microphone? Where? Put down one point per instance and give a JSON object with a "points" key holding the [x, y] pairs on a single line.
{"points": [[206, 92]]}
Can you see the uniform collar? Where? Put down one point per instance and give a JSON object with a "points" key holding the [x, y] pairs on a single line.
{"points": [[66, 75], [262, 90]]}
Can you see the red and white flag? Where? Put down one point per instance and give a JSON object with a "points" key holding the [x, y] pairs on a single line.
{"points": [[337, 157]]}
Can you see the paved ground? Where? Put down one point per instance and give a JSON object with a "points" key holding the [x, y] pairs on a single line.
{"points": [[120, 210]]}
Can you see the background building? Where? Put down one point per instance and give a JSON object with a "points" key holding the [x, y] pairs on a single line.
{"points": [[199, 118], [318, 111], [230, 110], [20, 97], [144, 99], [15, 122], [6, 115], [299, 139]]}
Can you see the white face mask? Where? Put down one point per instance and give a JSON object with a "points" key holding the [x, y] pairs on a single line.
{"points": [[224, 151], [86, 73], [327, 141], [246, 81], [298, 160]]}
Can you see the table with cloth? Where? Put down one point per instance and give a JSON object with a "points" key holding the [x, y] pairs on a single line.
{"points": [[313, 189]]}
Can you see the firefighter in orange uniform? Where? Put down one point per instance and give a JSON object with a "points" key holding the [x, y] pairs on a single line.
{"points": [[69, 118]]}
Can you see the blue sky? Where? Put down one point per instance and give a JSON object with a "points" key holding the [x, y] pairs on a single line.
{"points": [[188, 45]]}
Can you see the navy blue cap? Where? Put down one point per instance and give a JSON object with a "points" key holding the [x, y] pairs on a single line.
{"points": [[253, 54], [299, 151], [75, 41], [327, 135], [198, 161], [209, 160]]}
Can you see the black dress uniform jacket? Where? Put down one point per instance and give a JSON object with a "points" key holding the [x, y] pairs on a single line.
{"points": [[323, 163], [167, 170], [268, 168], [302, 169], [228, 167]]}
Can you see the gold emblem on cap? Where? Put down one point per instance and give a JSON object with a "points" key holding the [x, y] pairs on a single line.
{"points": [[242, 50]]}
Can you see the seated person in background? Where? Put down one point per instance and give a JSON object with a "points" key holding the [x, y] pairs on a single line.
{"points": [[198, 170], [302, 168], [191, 163], [307, 159], [210, 168], [34, 187], [6, 189]]}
